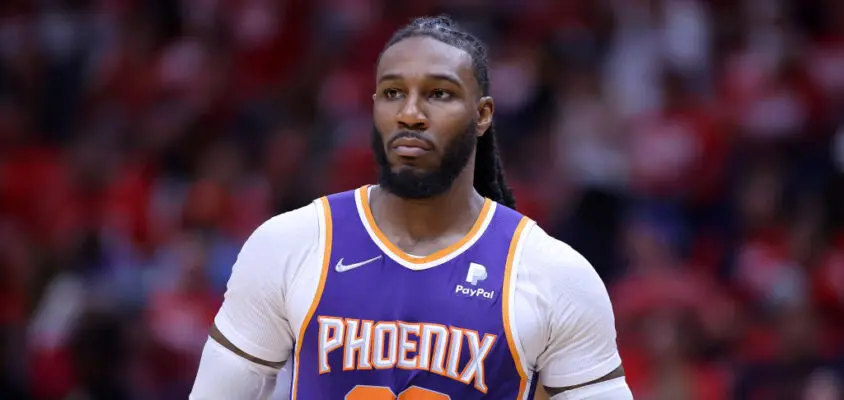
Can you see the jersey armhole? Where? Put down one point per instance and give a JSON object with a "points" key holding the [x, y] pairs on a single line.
{"points": [[325, 236], [526, 367]]}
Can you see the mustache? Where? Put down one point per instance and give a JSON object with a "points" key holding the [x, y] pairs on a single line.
{"points": [[410, 135]]}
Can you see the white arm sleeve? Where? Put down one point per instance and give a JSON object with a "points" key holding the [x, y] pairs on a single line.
{"points": [[225, 375], [254, 315], [578, 318], [613, 389]]}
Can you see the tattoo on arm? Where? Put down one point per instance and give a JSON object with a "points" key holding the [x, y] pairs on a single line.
{"points": [[616, 373], [219, 338]]}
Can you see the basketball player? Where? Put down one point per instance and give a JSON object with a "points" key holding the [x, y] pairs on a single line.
{"points": [[427, 286]]}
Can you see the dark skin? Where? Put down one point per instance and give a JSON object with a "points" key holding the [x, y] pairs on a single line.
{"points": [[427, 87]]}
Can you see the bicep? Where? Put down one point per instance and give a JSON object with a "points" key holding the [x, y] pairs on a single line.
{"points": [[582, 343], [578, 334], [253, 317]]}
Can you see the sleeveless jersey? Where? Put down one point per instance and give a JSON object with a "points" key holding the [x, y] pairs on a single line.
{"points": [[378, 330]]}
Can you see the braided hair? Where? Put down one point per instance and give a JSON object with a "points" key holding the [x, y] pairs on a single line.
{"points": [[489, 172]]}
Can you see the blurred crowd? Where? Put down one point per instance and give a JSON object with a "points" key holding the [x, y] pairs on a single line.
{"points": [[692, 150]]}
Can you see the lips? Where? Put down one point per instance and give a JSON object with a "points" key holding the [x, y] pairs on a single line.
{"points": [[411, 142], [410, 147]]}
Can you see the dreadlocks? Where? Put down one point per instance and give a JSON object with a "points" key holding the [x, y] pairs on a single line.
{"points": [[489, 173]]}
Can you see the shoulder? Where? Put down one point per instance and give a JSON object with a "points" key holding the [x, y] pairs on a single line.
{"points": [[566, 309], [283, 240], [556, 268], [254, 316], [303, 221]]}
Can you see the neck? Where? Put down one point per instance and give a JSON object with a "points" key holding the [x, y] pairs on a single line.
{"points": [[421, 219]]}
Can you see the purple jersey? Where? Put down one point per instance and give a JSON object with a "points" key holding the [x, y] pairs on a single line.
{"points": [[378, 330]]}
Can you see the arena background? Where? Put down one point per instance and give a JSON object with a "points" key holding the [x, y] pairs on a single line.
{"points": [[691, 149]]}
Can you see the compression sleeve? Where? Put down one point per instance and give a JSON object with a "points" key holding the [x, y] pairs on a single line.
{"points": [[613, 389], [581, 345], [255, 312], [225, 375]]}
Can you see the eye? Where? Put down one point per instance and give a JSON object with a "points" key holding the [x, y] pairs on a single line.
{"points": [[391, 93], [441, 94]]}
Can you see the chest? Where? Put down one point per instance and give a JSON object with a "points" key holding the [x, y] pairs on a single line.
{"points": [[375, 314], [462, 290], [383, 319]]}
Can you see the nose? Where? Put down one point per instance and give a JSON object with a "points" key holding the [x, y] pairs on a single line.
{"points": [[411, 116]]}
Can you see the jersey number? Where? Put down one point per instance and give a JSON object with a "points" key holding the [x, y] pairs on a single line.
{"points": [[363, 392]]}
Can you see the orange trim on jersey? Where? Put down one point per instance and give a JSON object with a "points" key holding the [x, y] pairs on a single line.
{"points": [[508, 280], [326, 259], [476, 228]]}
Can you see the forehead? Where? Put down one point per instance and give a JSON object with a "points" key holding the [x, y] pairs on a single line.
{"points": [[422, 56]]}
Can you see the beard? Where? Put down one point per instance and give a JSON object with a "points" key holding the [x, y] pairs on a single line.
{"points": [[409, 183]]}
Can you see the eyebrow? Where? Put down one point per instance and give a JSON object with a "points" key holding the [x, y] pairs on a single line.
{"points": [[441, 77]]}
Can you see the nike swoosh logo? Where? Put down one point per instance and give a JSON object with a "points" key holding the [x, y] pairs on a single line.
{"points": [[343, 268]]}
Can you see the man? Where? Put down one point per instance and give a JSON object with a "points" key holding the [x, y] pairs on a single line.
{"points": [[427, 286]]}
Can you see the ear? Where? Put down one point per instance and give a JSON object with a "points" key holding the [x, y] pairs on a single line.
{"points": [[374, 96], [486, 108]]}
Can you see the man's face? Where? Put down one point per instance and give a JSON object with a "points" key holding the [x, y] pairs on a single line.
{"points": [[427, 115]]}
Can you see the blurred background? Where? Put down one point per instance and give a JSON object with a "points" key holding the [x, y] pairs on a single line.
{"points": [[692, 150]]}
